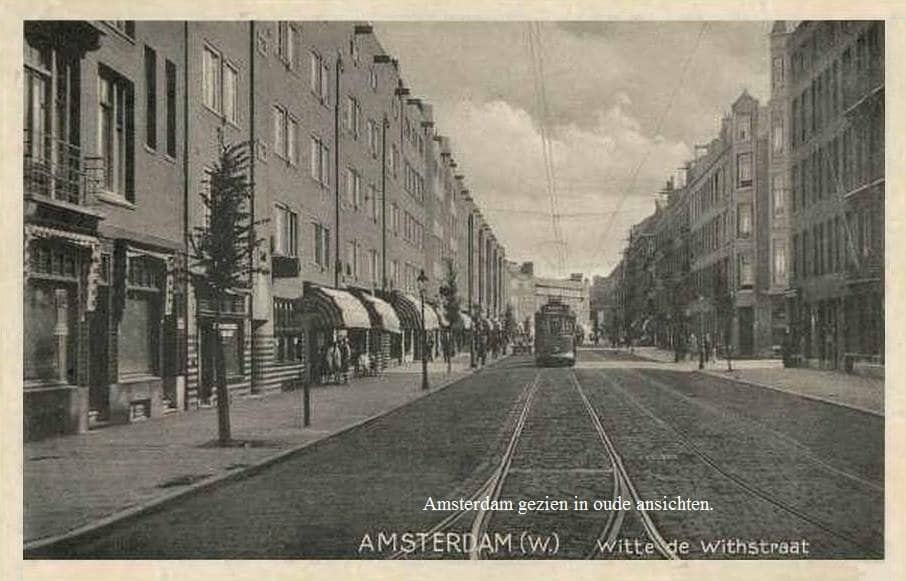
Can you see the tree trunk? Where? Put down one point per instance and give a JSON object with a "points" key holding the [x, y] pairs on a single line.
{"points": [[223, 397]]}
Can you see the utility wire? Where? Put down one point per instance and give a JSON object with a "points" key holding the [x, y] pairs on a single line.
{"points": [[660, 122]]}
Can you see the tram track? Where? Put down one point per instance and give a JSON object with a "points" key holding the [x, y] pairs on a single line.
{"points": [[622, 485], [492, 486], [743, 483]]}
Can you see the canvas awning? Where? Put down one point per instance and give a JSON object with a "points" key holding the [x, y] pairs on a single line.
{"points": [[408, 308], [334, 308], [382, 314]]}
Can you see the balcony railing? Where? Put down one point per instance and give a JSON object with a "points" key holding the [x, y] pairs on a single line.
{"points": [[862, 83], [56, 170]]}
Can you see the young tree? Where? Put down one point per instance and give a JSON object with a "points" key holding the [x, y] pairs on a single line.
{"points": [[509, 321], [223, 250], [449, 292]]}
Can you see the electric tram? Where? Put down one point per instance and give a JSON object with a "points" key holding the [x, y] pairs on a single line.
{"points": [[555, 334]]}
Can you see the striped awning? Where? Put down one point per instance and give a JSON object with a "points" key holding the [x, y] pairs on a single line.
{"points": [[382, 314], [334, 308], [408, 308]]}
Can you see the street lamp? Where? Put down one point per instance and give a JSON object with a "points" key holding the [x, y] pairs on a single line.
{"points": [[422, 287]]}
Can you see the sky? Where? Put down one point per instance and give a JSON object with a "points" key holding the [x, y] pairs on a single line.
{"points": [[625, 104]]}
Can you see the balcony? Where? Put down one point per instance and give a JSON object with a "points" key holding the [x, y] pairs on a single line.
{"points": [[55, 171], [861, 86]]}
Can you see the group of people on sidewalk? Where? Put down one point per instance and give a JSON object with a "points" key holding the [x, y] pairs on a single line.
{"points": [[335, 360], [487, 340], [703, 348]]}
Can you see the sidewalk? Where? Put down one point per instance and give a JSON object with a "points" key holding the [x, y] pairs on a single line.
{"points": [[75, 482], [846, 389]]}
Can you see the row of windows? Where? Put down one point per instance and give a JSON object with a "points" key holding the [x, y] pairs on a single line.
{"points": [[848, 161], [837, 86], [839, 242], [414, 183], [360, 265]]}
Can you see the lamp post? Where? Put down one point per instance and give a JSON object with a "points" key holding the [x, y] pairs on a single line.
{"points": [[422, 287]]}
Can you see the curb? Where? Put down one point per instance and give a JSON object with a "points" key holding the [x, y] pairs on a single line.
{"points": [[790, 392], [154, 504]]}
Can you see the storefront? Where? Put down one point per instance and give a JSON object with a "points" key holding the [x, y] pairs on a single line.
{"points": [[61, 277], [385, 325], [328, 314]]}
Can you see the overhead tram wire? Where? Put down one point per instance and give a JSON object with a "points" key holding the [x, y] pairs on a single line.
{"points": [[546, 149], [657, 131]]}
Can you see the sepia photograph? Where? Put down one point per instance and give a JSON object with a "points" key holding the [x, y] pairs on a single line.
{"points": [[452, 289]]}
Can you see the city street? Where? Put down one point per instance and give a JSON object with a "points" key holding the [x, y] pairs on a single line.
{"points": [[783, 477]]}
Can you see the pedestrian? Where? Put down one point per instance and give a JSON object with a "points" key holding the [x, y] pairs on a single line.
{"points": [[332, 362], [693, 345], [447, 343], [429, 346], [482, 347], [345, 358]]}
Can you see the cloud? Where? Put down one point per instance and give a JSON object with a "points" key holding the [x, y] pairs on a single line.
{"points": [[619, 101], [592, 165]]}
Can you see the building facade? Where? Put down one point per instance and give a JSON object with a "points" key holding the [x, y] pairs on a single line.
{"points": [[354, 193], [835, 99]]}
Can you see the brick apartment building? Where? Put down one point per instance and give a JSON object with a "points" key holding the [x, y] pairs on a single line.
{"points": [[834, 95], [123, 121]]}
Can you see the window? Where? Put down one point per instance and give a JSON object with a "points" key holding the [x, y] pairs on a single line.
{"points": [[777, 72], [779, 271], [394, 160], [320, 161], [746, 272], [352, 259], [374, 138], [319, 76], [395, 218], [231, 93], [375, 266], [140, 325], [288, 332], [221, 85], [353, 114], [353, 188], [285, 135], [115, 130], [171, 108], [150, 97], [744, 169], [286, 40], [743, 127], [778, 195], [354, 50], [373, 195], [37, 110], [213, 79], [394, 272], [373, 79], [279, 131], [744, 220], [286, 242], [322, 245], [126, 27], [777, 133]]}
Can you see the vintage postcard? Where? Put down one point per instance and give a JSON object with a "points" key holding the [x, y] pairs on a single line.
{"points": [[389, 284]]}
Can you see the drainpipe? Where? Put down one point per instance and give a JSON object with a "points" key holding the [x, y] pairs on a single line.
{"points": [[252, 239], [336, 171]]}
